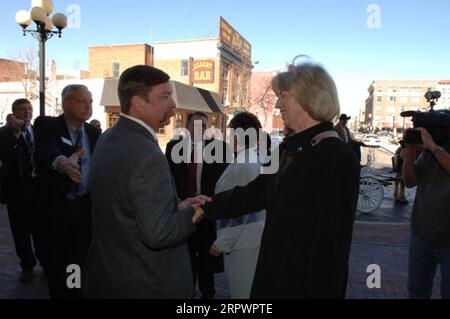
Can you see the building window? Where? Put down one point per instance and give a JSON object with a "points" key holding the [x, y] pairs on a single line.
{"points": [[116, 69], [391, 109], [392, 99], [178, 120], [237, 88], [224, 95], [379, 99], [225, 70], [113, 118], [184, 67]]}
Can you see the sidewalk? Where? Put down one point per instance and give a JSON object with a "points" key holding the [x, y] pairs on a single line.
{"points": [[373, 243], [387, 246]]}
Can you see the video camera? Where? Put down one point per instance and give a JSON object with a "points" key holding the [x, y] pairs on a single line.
{"points": [[436, 122]]}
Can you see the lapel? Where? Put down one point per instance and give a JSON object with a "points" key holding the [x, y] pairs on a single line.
{"points": [[64, 136]]}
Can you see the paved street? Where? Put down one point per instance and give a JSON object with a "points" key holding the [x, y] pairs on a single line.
{"points": [[379, 238]]}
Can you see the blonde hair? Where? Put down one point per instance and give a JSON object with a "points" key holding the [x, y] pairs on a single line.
{"points": [[312, 87]]}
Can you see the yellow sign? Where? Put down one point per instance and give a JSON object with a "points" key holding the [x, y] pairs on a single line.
{"points": [[234, 40], [203, 71]]}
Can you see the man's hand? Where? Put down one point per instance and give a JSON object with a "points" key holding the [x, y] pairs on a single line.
{"points": [[198, 215], [70, 167], [428, 142], [215, 251], [194, 201], [409, 151]]}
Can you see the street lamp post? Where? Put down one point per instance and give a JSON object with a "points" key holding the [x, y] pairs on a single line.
{"points": [[40, 15]]}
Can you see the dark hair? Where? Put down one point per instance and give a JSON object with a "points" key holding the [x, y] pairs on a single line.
{"points": [[138, 80], [246, 121], [18, 102], [192, 115]]}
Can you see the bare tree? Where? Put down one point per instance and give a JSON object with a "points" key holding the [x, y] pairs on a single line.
{"points": [[29, 58], [263, 99]]}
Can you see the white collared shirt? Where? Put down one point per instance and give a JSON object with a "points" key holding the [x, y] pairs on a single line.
{"points": [[141, 123]]}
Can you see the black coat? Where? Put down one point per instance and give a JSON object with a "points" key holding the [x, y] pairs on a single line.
{"points": [[205, 234], [17, 168], [49, 132], [311, 204]]}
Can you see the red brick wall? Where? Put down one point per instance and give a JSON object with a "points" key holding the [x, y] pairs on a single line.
{"points": [[101, 59], [11, 71]]}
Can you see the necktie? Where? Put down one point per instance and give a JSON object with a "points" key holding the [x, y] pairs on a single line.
{"points": [[77, 189], [78, 139], [30, 144]]}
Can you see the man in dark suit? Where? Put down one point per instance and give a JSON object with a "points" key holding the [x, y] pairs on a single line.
{"points": [[17, 143], [64, 149], [196, 177]]}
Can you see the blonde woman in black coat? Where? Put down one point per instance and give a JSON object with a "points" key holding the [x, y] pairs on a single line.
{"points": [[310, 201]]}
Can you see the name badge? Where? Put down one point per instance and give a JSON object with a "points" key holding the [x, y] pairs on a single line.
{"points": [[66, 141]]}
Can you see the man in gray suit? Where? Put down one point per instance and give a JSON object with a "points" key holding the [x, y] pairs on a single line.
{"points": [[140, 227]]}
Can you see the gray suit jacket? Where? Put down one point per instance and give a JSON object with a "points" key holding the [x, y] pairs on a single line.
{"points": [[139, 239]]}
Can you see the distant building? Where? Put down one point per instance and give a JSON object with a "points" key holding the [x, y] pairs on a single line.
{"points": [[12, 71], [443, 86], [111, 60], [69, 74], [222, 65], [388, 98]]}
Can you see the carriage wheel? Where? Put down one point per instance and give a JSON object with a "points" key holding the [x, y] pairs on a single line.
{"points": [[371, 195]]}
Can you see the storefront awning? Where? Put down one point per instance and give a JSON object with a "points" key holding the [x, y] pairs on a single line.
{"points": [[185, 96]]}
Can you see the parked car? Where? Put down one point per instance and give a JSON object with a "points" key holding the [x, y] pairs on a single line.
{"points": [[371, 140], [357, 136]]}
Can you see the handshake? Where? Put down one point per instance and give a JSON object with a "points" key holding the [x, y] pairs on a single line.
{"points": [[196, 203]]}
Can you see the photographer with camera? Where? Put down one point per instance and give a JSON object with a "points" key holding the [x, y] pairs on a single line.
{"points": [[430, 225]]}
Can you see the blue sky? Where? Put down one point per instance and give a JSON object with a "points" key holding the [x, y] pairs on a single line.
{"points": [[413, 41]]}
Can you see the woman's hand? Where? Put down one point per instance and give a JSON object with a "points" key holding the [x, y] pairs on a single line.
{"points": [[215, 251]]}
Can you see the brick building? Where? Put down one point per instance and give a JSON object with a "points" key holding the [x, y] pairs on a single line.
{"points": [[222, 65], [388, 98], [443, 86], [110, 61], [12, 71]]}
